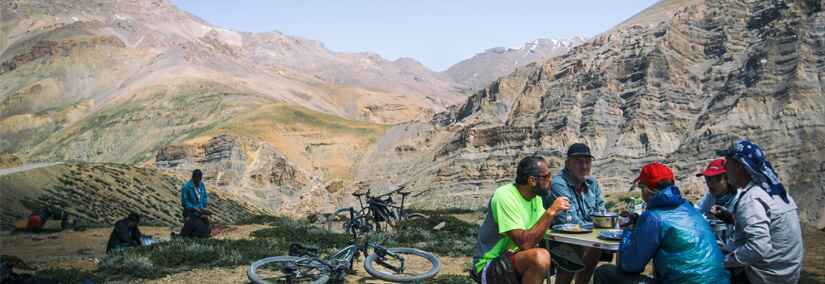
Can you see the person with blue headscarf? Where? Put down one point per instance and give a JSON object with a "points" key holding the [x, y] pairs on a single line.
{"points": [[767, 245]]}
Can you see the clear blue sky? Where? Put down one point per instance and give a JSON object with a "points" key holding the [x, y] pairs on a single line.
{"points": [[437, 33]]}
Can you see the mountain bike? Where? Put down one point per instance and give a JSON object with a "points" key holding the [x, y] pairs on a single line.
{"points": [[303, 265], [381, 209]]}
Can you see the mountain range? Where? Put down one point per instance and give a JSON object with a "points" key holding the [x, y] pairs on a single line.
{"points": [[289, 125], [271, 117]]}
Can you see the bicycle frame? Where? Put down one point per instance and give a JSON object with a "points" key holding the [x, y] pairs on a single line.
{"points": [[351, 252], [305, 263], [379, 206]]}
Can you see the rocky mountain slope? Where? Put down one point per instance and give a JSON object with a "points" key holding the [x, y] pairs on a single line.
{"points": [[101, 194], [478, 71], [671, 91]]}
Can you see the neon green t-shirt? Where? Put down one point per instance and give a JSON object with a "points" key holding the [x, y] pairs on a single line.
{"points": [[508, 211]]}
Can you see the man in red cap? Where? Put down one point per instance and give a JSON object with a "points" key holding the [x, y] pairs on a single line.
{"points": [[671, 233], [720, 192]]}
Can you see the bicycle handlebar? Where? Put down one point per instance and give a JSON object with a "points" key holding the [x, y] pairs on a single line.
{"points": [[399, 189]]}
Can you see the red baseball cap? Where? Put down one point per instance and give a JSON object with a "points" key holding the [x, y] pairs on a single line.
{"points": [[654, 173], [715, 168]]}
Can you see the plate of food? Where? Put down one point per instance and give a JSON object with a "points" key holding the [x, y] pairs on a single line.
{"points": [[573, 228], [613, 235]]}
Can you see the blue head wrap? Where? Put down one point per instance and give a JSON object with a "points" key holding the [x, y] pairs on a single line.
{"points": [[752, 158]]}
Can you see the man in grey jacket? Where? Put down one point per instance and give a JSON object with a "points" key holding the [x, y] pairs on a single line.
{"points": [[767, 243]]}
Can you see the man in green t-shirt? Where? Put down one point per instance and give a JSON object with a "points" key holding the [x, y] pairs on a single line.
{"points": [[516, 222]]}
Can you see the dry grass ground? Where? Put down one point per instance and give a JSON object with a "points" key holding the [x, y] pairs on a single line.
{"points": [[84, 251]]}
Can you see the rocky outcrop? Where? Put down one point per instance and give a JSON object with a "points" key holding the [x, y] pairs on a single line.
{"points": [[671, 91], [252, 169], [45, 48]]}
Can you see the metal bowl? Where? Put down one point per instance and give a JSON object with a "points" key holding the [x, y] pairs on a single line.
{"points": [[605, 219]]}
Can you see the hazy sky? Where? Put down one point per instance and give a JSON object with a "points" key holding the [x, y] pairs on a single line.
{"points": [[438, 33]]}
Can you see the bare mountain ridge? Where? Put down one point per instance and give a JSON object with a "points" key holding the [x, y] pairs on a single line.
{"points": [[177, 38], [485, 67]]}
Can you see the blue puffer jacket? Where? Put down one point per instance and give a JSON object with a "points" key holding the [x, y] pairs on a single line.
{"points": [[677, 238]]}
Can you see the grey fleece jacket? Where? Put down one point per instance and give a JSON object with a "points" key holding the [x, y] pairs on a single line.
{"points": [[767, 237]]}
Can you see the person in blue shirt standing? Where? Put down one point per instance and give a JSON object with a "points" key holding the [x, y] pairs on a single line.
{"points": [[193, 196]]}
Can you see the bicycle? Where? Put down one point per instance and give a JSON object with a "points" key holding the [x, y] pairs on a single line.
{"points": [[381, 208], [304, 266]]}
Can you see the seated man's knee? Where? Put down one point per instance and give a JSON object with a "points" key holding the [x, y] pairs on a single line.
{"points": [[540, 258]]}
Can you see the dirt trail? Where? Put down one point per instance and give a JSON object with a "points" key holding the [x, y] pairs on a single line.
{"points": [[27, 167]]}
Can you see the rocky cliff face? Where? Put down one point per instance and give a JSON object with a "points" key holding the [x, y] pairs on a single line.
{"points": [[671, 91]]}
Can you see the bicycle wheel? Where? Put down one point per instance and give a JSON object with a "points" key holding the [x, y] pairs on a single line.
{"points": [[409, 265], [287, 269]]}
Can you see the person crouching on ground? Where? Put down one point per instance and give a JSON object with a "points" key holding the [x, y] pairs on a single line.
{"points": [[125, 234], [197, 226]]}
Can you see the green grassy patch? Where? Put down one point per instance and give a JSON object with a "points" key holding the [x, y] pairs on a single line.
{"points": [[291, 116], [262, 220], [452, 279], [309, 236], [175, 256], [456, 238], [67, 275]]}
